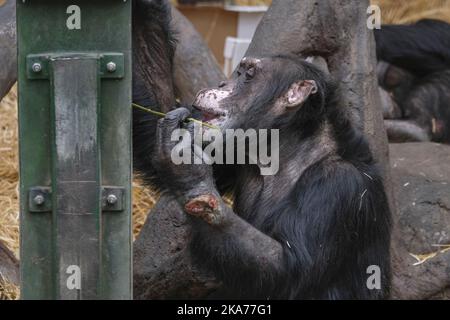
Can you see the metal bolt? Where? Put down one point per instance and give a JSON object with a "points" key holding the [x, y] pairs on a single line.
{"points": [[39, 200], [37, 67], [111, 199], [111, 67]]}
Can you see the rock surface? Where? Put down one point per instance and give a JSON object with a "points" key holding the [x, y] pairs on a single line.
{"points": [[162, 264], [421, 178]]}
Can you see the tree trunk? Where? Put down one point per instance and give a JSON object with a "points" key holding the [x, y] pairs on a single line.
{"points": [[8, 55], [195, 67]]}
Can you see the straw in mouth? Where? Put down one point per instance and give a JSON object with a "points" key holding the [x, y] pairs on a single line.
{"points": [[162, 115]]}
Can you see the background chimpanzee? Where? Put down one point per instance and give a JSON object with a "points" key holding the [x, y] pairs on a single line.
{"points": [[415, 69], [313, 229]]}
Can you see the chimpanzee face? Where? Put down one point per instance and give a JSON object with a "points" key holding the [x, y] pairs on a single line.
{"points": [[260, 89]]}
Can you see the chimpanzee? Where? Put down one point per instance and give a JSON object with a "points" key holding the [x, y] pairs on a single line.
{"points": [[310, 231], [415, 69]]}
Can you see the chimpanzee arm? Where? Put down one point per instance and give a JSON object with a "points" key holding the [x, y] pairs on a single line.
{"points": [[391, 110], [153, 51], [232, 246], [421, 48], [144, 132], [406, 131], [195, 189]]}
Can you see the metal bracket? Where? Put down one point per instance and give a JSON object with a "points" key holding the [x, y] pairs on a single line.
{"points": [[112, 199], [111, 65], [40, 199]]}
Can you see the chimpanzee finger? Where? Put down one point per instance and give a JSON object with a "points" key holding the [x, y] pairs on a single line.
{"points": [[177, 116], [173, 120]]}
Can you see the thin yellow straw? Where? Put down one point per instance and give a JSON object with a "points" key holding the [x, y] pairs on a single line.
{"points": [[162, 114]]}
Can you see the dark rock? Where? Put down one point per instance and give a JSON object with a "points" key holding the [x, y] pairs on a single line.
{"points": [[9, 266], [421, 178], [162, 264]]}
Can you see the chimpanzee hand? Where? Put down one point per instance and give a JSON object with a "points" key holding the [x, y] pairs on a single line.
{"points": [[186, 181]]}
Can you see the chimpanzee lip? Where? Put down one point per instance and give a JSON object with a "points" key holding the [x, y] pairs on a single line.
{"points": [[211, 111], [209, 114]]}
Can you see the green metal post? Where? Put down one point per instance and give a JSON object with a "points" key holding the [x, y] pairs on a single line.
{"points": [[75, 148]]}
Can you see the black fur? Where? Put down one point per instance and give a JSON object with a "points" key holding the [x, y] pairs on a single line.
{"points": [[334, 222]]}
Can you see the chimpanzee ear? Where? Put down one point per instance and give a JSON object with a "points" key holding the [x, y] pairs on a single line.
{"points": [[299, 92]]}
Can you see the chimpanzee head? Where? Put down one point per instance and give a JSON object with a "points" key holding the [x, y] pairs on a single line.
{"points": [[395, 80], [268, 92]]}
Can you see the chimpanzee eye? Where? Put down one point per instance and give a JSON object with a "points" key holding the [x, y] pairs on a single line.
{"points": [[250, 73]]}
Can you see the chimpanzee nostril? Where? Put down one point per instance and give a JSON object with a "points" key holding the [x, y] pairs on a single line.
{"points": [[222, 84]]}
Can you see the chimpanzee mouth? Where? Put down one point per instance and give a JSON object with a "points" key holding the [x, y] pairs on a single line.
{"points": [[211, 116]]}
